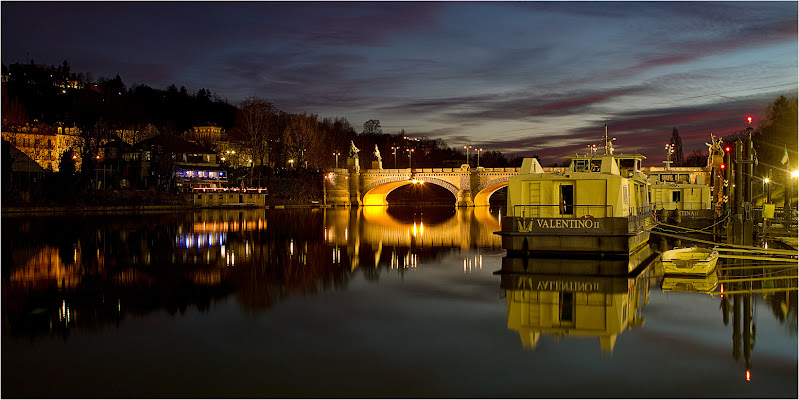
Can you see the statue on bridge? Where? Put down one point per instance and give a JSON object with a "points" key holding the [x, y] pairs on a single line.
{"points": [[715, 152], [377, 154], [353, 150]]}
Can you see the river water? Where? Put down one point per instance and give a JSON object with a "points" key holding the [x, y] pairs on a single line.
{"points": [[371, 302]]}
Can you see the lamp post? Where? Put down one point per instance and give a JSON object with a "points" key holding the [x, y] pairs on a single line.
{"points": [[291, 163], [410, 153], [468, 152], [336, 154], [395, 148], [478, 157], [669, 152], [767, 188]]}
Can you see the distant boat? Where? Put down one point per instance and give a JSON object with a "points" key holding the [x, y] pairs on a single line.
{"points": [[690, 261]]}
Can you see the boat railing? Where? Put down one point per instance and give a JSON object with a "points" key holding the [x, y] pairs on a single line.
{"points": [[563, 211], [681, 205], [640, 218]]}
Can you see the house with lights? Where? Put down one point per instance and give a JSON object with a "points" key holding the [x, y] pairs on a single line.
{"points": [[168, 160]]}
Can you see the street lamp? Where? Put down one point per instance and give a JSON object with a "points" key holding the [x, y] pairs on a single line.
{"points": [[395, 148], [291, 163], [669, 152], [468, 152], [410, 152], [336, 154], [478, 157]]}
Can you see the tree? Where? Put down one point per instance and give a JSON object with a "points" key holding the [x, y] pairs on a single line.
{"points": [[777, 132], [697, 158], [303, 141], [254, 129], [676, 141], [372, 127]]}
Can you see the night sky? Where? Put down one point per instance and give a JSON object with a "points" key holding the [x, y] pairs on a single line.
{"points": [[519, 77]]}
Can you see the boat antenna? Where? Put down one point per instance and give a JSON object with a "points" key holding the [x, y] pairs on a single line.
{"points": [[608, 142]]}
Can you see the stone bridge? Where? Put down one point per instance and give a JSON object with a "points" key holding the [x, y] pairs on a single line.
{"points": [[356, 187]]}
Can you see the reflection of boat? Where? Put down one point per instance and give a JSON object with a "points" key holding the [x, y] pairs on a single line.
{"points": [[589, 266], [690, 261], [599, 205], [574, 306], [690, 284]]}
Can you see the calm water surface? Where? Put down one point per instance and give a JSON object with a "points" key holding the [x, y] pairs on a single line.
{"points": [[376, 302]]}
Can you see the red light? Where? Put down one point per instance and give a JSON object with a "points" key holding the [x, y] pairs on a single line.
{"points": [[748, 376], [723, 166], [749, 118], [727, 149]]}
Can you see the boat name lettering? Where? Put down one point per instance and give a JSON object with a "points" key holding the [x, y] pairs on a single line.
{"points": [[568, 223], [526, 225], [558, 286]]}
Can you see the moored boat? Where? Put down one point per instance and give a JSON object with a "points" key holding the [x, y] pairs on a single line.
{"points": [[599, 205], [689, 261]]}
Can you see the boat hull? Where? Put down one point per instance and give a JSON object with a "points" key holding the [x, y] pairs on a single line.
{"points": [[533, 236], [689, 262]]}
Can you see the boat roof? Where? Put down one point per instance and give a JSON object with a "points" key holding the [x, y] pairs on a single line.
{"points": [[620, 156]]}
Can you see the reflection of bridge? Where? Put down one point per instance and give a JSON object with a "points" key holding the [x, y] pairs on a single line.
{"points": [[374, 226], [469, 186], [372, 229]]}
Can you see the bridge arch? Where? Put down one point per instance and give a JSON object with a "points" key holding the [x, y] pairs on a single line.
{"points": [[485, 190], [377, 192]]}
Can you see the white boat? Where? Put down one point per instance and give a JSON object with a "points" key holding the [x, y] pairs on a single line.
{"points": [[599, 205], [689, 261]]}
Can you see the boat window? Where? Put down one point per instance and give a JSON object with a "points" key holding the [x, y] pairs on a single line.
{"points": [[566, 199], [675, 196], [580, 165], [566, 307]]}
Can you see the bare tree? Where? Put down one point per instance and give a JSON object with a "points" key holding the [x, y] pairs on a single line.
{"points": [[253, 129], [304, 141], [372, 126]]}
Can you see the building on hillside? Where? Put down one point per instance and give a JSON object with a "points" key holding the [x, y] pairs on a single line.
{"points": [[45, 144], [37, 141], [172, 162], [207, 132], [133, 136]]}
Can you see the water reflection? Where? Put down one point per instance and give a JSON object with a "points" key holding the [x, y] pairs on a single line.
{"points": [[741, 282], [85, 272], [573, 304]]}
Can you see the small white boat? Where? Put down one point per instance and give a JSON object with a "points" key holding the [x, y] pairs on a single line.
{"points": [[690, 261]]}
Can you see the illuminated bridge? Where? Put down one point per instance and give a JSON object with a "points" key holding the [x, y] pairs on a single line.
{"points": [[470, 186]]}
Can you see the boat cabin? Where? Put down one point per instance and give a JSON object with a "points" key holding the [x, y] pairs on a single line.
{"points": [[679, 189], [600, 204]]}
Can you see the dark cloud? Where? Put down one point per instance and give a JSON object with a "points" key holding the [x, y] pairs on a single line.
{"points": [[522, 77]]}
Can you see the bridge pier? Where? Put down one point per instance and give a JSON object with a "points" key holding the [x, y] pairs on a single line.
{"points": [[464, 199]]}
